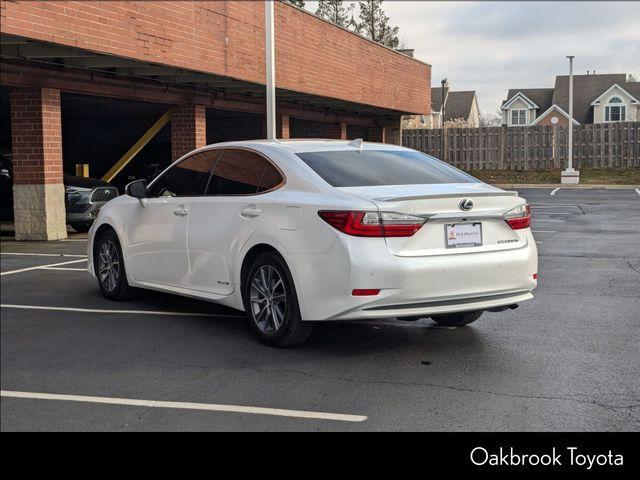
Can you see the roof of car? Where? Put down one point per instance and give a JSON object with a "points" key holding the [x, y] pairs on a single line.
{"points": [[309, 145]]}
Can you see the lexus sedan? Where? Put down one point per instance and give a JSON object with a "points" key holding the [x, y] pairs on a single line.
{"points": [[297, 232]]}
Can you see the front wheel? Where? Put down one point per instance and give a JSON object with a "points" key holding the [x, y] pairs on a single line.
{"points": [[457, 319], [109, 268], [271, 303]]}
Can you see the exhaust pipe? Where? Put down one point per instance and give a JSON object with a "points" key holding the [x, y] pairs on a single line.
{"points": [[502, 309]]}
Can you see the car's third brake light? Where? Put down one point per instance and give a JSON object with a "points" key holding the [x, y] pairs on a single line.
{"points": [[519, 217], [373, 224]]}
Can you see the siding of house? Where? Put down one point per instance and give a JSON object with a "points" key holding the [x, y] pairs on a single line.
{"points": [[632, 110], [517, 105]]}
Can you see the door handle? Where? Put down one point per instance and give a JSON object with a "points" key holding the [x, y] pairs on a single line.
{"points": [[250, 212], [181, 212]]}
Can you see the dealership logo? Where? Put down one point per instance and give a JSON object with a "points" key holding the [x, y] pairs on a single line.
{"points": [[466, 204]]}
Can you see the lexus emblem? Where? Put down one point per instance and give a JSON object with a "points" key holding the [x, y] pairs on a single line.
{"points": [[466, 204]]}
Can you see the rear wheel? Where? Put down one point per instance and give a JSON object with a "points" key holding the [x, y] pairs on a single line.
{"points": [[109, 267], [271, 303], [457, 319]]}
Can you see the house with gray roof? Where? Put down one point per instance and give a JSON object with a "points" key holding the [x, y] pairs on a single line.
{"points": [[460, 110], [597, 98]]}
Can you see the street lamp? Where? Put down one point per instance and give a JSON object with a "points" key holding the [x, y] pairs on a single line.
{"points": [[570, 175], [271, 68], [444, 82]]}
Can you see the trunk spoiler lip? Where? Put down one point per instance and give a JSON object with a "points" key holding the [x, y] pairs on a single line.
{"points": [[447, 195]]}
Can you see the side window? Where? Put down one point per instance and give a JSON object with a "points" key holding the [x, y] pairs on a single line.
{"points": [[186, 179], [239, 172], [271, 179]]}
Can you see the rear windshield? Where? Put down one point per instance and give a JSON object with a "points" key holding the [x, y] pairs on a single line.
{"points": [[381, 167]]}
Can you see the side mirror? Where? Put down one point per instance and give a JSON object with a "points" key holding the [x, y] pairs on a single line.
{"points": [[137, 189]]}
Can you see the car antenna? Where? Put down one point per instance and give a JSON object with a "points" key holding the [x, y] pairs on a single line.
{"points": [[357, 143]]}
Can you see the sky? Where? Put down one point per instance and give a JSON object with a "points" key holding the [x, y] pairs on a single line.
{"points": [[490, 47]]}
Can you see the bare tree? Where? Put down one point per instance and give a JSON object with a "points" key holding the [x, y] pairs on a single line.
{"points": [[491, 119]]}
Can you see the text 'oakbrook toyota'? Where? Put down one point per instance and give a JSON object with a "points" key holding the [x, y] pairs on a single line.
{"points": [[296, 232]]}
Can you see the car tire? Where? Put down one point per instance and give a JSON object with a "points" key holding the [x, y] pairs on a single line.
{"points": [[271, 303], [81, 227], [109, 267], [457, 319]]}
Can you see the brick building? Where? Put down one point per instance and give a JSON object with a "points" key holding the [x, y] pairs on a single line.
{"points": [[82, 81]]}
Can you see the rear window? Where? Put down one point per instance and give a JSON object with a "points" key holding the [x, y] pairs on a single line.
{"points": [[381, 167]]}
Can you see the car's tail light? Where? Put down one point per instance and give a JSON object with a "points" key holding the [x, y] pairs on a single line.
{"points": [[519, 217], [373, 224]]}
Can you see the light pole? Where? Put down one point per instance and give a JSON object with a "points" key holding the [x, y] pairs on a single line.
{"points": [[270, 68], [570, 175]]}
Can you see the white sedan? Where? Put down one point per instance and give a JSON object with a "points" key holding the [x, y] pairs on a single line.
{"points": [[296, 232]]}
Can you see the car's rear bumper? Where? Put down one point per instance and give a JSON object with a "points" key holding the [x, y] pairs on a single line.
{"points": [[410, 286]]}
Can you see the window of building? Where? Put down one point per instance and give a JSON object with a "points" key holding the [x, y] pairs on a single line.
{"points": [[614, 111], [519, 116]]}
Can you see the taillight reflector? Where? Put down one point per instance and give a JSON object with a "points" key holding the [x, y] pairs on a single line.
{"points": [[365, 292]]}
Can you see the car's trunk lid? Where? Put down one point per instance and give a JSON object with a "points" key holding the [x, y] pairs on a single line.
{"points": [[440, 204]]}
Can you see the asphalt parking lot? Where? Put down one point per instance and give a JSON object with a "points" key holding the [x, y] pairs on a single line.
{"points": [[567, 360]]}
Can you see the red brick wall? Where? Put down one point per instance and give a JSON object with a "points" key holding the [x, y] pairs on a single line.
{"points": [[188, 129], [227, 38], [36, 135], [562, 120]]}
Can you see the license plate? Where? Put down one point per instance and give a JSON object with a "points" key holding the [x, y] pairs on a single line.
{"points": [[463, 235]]}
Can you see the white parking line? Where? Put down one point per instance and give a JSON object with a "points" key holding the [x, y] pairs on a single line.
{"points": [[210, 407], [638, 191], [63, 269], [41, 267], [554, 192], [115, 311], [23, 254]]}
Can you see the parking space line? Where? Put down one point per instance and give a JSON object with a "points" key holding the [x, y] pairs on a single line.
{"points": [[638, 191], [27, 254], [63, 269], [116, 311], [554, 192], [210, 407], [42, 267]]}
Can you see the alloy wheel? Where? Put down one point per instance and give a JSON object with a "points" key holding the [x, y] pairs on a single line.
{"points": [[268, 299], [108, 265]]}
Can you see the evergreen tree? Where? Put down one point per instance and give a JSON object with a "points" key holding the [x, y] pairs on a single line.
{"points": [[297, 3], [374, 24], [336, 12]]}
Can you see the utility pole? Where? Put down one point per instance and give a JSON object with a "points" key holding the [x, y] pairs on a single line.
{"points": [[271, 68], [570, 175]]}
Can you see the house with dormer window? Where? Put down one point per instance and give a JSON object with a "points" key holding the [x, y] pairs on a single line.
{"points": [[605, 98]]}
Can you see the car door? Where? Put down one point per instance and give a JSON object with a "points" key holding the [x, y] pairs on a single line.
{"points": [[239, 195], [157, 232]]}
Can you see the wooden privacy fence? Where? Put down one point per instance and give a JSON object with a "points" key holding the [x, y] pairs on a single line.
{"points": [[523, 148]]}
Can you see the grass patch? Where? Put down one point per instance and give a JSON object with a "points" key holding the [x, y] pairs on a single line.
{"points": [[588, 176]]}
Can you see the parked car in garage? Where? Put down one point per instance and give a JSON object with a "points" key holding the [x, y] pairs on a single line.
{"points": [[83, 196], [295, 232]]}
